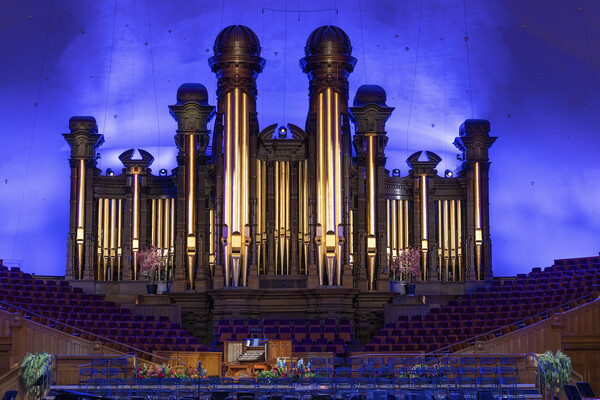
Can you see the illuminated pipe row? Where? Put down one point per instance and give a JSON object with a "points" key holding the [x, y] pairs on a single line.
{"points": [[303, 234], [449, 230], [236, 186], [163, 232], [397, 227], [109, 239], [261, 234], [282, 217], [329, 175]]}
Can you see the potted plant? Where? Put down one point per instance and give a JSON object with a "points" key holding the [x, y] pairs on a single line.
{"points": [[558, 370], [33, 368], [149, 260], [407, 265]]}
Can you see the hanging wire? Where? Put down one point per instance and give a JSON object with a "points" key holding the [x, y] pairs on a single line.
{"points": [[468, 58], [284, 60], [445, 82], [587, 42], [412, 94], [133, 76], [154, 86], [362, 38], [31, 141], [112, 46]]}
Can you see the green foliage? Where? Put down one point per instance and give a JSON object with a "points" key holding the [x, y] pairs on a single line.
{"points": [[557, 367], [32, 368]]}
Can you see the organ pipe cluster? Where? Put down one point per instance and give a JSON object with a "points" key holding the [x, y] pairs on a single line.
{"points": [[245, 206]]}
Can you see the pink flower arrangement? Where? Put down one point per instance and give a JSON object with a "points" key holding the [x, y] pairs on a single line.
{"points": [[408, 263], [149, 261], [166, 371]]}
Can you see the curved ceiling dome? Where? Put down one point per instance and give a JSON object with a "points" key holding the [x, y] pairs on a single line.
{"points": [[237, 39], [328, 40]]}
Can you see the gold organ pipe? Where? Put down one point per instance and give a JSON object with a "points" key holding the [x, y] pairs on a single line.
{"points": [[264, 216], [81, 200], [258, 212], [80, 216], [172, 234], [135, 245], [399, 226], [371, 186], [245, 183], [405, 224], [337, 175], [330, 211], [287, 216], [388, 211], [478, 233], [277, 195], [106, 238], [113, 236], [300, 214], [424, 243], [441, 271], [236, 163], [393, 222], [99, 239], [453, 238], [119, 236], [320, 173], [211, 243], [459, 237], [227, 186], [319, 158], [445, 238], [477, 198], [166, 236], [191, 174], [158, 221], [351, 237], [153, 219], [423, 179]]}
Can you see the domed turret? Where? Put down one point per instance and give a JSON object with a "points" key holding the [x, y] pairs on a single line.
{"points": [[192, 92], [328, 40], [237, 39], [370, 94]]}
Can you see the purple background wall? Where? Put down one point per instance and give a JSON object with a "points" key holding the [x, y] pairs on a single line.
{"points": [[532, 68]]}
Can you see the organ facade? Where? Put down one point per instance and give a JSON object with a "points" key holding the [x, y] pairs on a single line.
{"points": [[279, 207]]}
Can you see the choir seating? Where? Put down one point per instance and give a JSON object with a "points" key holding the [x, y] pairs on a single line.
{"points": [[307, 335], [56, 304], [506, 305]]}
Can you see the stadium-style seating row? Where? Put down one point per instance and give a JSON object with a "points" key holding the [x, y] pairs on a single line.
{"points": [[504, 302], [307, 335], [89, 316]]}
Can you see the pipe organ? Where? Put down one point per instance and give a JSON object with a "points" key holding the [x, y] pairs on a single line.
{"points": [[309, 208]]}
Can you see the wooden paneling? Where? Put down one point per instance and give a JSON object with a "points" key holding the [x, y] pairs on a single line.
{"points": [[576, 332], [279, 349], [211, 361]]}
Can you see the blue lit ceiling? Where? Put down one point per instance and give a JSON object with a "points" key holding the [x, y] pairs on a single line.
{"points": [[532, 68]]}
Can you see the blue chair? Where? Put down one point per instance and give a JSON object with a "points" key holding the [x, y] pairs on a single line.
{"points": [[487, 376], [85, 374], [506, 376]]}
